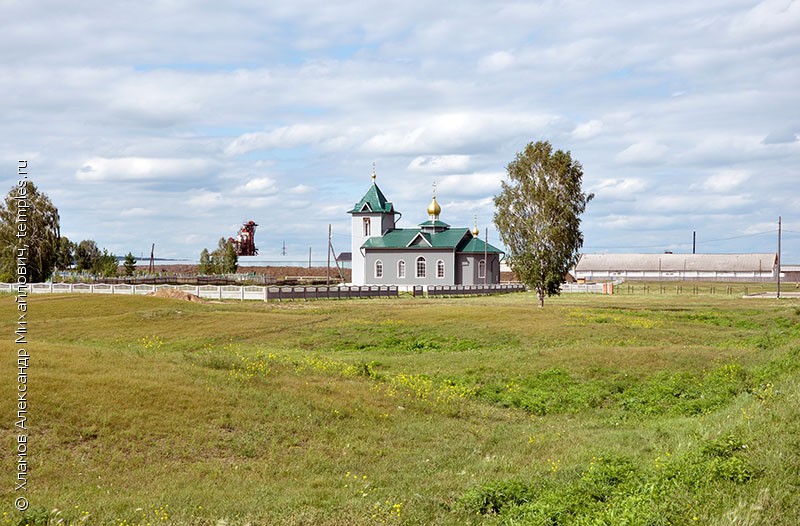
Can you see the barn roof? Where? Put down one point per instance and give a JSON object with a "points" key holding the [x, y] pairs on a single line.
{"points": [[677, 262]]}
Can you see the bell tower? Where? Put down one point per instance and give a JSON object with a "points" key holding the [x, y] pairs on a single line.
{"points": [[372, 216]]}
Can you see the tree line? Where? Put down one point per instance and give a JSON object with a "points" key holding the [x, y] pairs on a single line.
{"points": [[49, 251]]}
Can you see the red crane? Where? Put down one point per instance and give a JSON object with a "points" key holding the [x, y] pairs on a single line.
{"points": [[245, 241]]}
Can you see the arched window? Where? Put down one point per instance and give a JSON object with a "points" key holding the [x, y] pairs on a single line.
{"points": [[366, 227], [482, 268], [440, 269], [401, 269], [420, 267], [379, 269]]}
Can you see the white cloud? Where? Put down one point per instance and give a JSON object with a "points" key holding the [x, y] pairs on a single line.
{"points": [[619, 189], [588, 130], [139, 169], [693, 203], [769, 18], [136, 212], [456, 131], [283, 137], [469, 184], [439, 163], [725, 181], [783, 135], [204, 199], [644, 152], [259, 185], [301, 189], [496, 61]]}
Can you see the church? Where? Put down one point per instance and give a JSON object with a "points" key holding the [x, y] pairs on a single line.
{"points": [[433, 254]]}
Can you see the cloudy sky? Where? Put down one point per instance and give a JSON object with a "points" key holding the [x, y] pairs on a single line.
{"points": [[172, 122]]}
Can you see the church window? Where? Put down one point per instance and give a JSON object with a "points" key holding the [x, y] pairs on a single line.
{"points": [[366, 227], [482, 268], [379, 269], [420, 267], [401, 269], [440, 269]]}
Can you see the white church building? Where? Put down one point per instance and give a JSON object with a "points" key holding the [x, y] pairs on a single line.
{"points": [[432, 254]]}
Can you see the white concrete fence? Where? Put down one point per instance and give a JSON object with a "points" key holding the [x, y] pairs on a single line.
{"points": [[255, 292], [233, 292]]}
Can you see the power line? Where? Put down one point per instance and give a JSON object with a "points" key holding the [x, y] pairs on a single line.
{"points": [[742, 236]]}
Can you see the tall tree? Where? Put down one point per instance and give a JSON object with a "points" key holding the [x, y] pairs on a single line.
{"points": [[25, 205], [538, 215], [106, 264], [223, 260], [230, 260], [65, 257], [86, 254], [205, 266], [130, 264]]}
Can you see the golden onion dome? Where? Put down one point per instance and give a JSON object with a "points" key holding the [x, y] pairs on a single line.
{"points": [[434, 209], [476, 231]]}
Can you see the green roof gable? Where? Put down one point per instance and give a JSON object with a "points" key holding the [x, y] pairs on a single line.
{"points": [[373, 201]]}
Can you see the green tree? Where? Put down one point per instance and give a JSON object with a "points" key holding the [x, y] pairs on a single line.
{"points": [[205, 267], [86, 254], [538, 216], [223, 260], [25, 205], [230, 260], [65, 256], [106, 264], [130, 264]]}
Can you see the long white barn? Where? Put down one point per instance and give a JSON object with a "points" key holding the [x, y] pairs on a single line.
{"points": [[756, 267]]}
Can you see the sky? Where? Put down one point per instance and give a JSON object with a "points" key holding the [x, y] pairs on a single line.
{"points": [[173, 122]]}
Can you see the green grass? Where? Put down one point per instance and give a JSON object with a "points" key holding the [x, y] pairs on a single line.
{"points": [[631, 409]]}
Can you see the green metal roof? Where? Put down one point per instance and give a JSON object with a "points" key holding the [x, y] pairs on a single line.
{"points": [[435, 224], [478, 245], [373, 201], [452, 239]]}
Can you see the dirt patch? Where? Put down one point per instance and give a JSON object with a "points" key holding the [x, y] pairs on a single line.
{"points": [[176, 294]]}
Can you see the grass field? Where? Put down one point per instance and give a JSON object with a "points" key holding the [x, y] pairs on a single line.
{"points": [[633, 409]]}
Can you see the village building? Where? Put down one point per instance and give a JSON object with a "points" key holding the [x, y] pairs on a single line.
{"points": [[714, 267], [432, 254]]}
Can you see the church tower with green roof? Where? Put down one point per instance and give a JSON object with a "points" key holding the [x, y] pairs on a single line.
{"points": [[372, 216]]}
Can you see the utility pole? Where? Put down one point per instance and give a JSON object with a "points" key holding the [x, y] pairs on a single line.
{"points": [[694, 240], [779, 257], [309, 257], [328, 268]]}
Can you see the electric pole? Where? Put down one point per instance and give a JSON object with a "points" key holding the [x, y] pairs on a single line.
{"points": [[779, 257], [328, 268]]}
